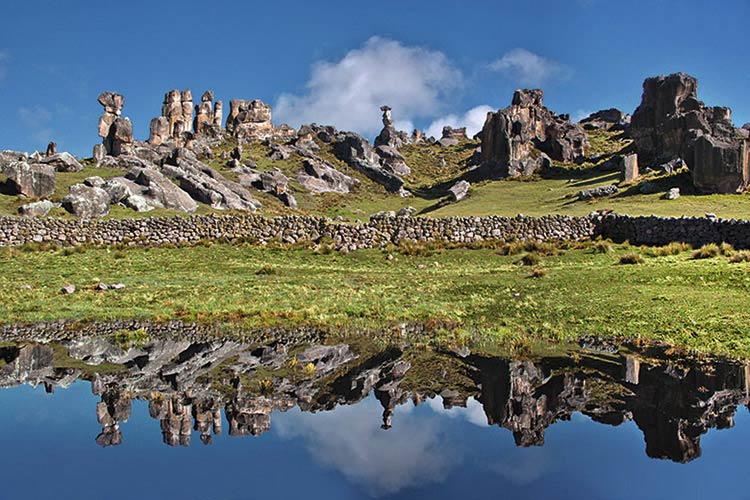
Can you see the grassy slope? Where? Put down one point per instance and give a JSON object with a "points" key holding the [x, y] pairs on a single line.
{"points": [[554, 193], [583, 292]]}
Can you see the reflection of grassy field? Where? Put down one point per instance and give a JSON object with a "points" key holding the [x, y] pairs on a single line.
{"points": [[698, 303]]}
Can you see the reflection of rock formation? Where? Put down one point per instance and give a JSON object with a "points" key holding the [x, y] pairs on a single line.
{"points": [[187, 384]]}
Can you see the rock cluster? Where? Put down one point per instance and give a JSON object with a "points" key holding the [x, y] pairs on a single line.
{"points": [[26, 176], [116, 132], [671, 122], [453, 136], [208, 114], [522, 138], [249, 121], [607, 119]]}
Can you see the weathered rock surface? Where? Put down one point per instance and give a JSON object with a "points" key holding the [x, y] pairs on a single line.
{"points": [[86, 201], [514, 138], [629, 168], [273, 182], [62, 162], [37, 209], [116, 132], [359, 154], [606, 119], [459, 191], [598, 192], [319, 176], [453, 136], [32, 180], [249, 120], [671, 122]]}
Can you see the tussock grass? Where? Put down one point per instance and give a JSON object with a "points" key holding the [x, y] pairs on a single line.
{"points": [[708, 251], [631, 258]]}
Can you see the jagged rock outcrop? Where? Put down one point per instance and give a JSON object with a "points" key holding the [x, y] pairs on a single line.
{"points": [[671, 122], [273, 182], [33, 180], [249, 121], [158, 190], [606, 119], [86, 201], [522, 138], [116, 132], [452, 136], [320, 176], [359, 154]]}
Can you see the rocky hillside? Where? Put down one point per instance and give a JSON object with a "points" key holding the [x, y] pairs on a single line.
{"points": [[673, 145]]}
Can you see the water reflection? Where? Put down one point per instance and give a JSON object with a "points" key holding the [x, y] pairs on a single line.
{"points": [[673, 400]]}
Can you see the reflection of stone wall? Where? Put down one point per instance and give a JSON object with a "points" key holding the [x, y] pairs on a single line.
{"points": [[177, 230]]}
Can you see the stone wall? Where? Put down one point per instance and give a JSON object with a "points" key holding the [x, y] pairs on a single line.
{"points": [[378, 231]]}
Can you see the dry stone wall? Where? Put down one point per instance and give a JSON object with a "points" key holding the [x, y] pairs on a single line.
{"points": [[380, 230]]}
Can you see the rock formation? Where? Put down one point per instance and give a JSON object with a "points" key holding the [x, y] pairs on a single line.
{"points": [[86, 201], [249, 121], [320, 176], [116, 132], [389, 136], [208, 115], [522, 138], [453, 136], [671, 122], [606, 119], [33, 180]]}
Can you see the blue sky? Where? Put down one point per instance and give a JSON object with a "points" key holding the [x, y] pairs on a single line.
{"points": [[336, 61]]}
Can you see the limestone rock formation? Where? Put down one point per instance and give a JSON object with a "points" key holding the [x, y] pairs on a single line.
{"points": [[249, 120], [453, 136], [86, 201], [320, 176], [389, 136], [159, 131], [518, 139], [178, 110], [116, 132], [671, 122], [63, 162], [33, 180]]}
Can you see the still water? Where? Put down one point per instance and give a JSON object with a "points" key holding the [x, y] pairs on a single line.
{"points": [[91, 418]]}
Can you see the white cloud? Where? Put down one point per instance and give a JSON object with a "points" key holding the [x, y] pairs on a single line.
{"points": [[351, 441], [4, 60], [37, 120], [348, 93], [473, 120], [528, 68]]}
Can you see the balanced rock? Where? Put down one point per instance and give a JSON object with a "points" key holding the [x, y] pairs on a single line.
{"points": [[671, 122], [389, 136], [514, 138]]}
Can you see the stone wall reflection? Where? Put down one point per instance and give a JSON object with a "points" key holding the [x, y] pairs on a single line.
{"points": [[674, 400]]}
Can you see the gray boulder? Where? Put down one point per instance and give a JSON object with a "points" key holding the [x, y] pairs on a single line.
{"points": [[62, 162], [319, 176], [598, 192], [37, 209], [672, 194], [459, 190], [86, 201], [160, 191], [33, 180]]}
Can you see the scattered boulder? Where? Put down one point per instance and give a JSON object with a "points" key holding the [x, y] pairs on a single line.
{"points": [[672, 194], [392, 160], [32, 180], [37, 208], [320, 176], [68, 289], [86, 201], [599, 192], [514, 138], [671, 122], [459, 191], [159, 191], [273, 182]]}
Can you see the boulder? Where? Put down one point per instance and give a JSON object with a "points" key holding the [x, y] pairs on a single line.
{"points": [[459, 191], [392, 160], [120, 137], [160, 191], [32, 180], [514, 138], [319, 176], [86, 202], [158, 131], [671, 122], [359, 154], [672, 194], [37, 209], [62, 162], [249, 120], [598, 192]]}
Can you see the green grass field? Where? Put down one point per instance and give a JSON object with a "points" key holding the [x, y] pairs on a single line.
{"points": [[700, 304]]}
